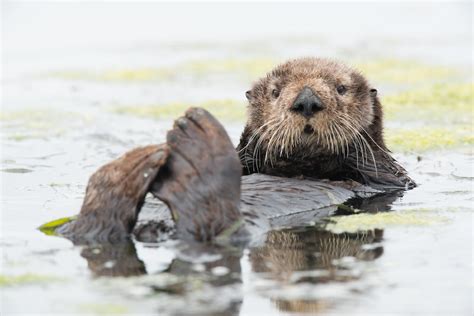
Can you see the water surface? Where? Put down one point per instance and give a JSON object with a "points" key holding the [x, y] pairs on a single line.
{"points": [[84, 83]]}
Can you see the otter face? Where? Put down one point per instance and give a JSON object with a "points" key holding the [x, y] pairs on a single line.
{"points": [[311, 105]]}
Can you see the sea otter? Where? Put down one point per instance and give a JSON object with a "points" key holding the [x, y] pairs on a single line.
{"points": [[313, 140], [318, 118]]}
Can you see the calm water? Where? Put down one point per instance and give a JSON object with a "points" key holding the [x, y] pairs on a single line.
{"points": [[68, 68]]}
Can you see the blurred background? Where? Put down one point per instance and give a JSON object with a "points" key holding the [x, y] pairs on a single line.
{"points": [[85, 81]]}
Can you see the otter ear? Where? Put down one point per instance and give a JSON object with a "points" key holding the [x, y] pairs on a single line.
{"points": [[248, 94], [373, 92]]}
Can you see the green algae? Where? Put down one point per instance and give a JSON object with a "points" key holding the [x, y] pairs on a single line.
{"points": [[446, 111], [456, 96], [429, 138], [365, 221], [103, 309], [442, 102], [393, 71], [251, 67], [27, 278], [223, 109], [37, 123], [36, 117], [397, 71], [382, 70], [117, 75], [49, 228]]}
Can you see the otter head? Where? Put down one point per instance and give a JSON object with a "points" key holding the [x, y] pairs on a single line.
{"points": [[311, 107]]}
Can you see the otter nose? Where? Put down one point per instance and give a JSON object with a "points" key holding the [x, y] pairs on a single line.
{"points": [[307, 103]]}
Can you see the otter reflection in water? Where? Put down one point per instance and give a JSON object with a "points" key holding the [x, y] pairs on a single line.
{"points": [[287, 257]]}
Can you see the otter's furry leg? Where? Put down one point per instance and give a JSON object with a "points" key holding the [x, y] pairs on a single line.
{"points": [[201, 180], [114, 196]]}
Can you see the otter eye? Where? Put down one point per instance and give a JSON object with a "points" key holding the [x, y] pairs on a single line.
{"points": [[341, 89], [275, 93]]}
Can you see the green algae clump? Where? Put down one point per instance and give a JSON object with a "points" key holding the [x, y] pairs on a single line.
{"points": [[452, 103], [251, 67], [41, 122], [27, 278], [445, 110], [49, 228], [404, 71], [423, 139], [362, 222], [104, 309], [224, 109], [116, 75]]}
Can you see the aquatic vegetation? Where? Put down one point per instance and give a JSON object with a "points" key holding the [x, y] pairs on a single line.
{"points": [[137, 74], [249, 67], [365, 221], [440, 102], [223, 109], [399, 71], [252, 67], [396, 71], [27, 278], [428, 138], [34, 123], [103, 309], [446, 110], [50, 227]]}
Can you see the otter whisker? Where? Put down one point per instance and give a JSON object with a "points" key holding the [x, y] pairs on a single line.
{"points": [[331, 141], [344, 132], [383, 150], [281, 140], [342, 140], [260, 142], [339, 139], [371, 153], [366, 144], [258, 147], [270, 146], [356, 140], [334, 140], [346, 141], [295, 139], [255, 134], [367, 148], [253, 137], [327, 141], [289, 140], [331, 137], [284, 143]]}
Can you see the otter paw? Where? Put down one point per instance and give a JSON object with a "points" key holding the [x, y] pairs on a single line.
{"points": [[201, 181], [128, 177]]}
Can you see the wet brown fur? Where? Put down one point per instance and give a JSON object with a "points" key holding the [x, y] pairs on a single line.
{"points": [[347, 138], [115, 194]]}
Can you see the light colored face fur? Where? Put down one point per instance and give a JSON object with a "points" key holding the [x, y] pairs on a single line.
{"points": [[347, 111]]}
